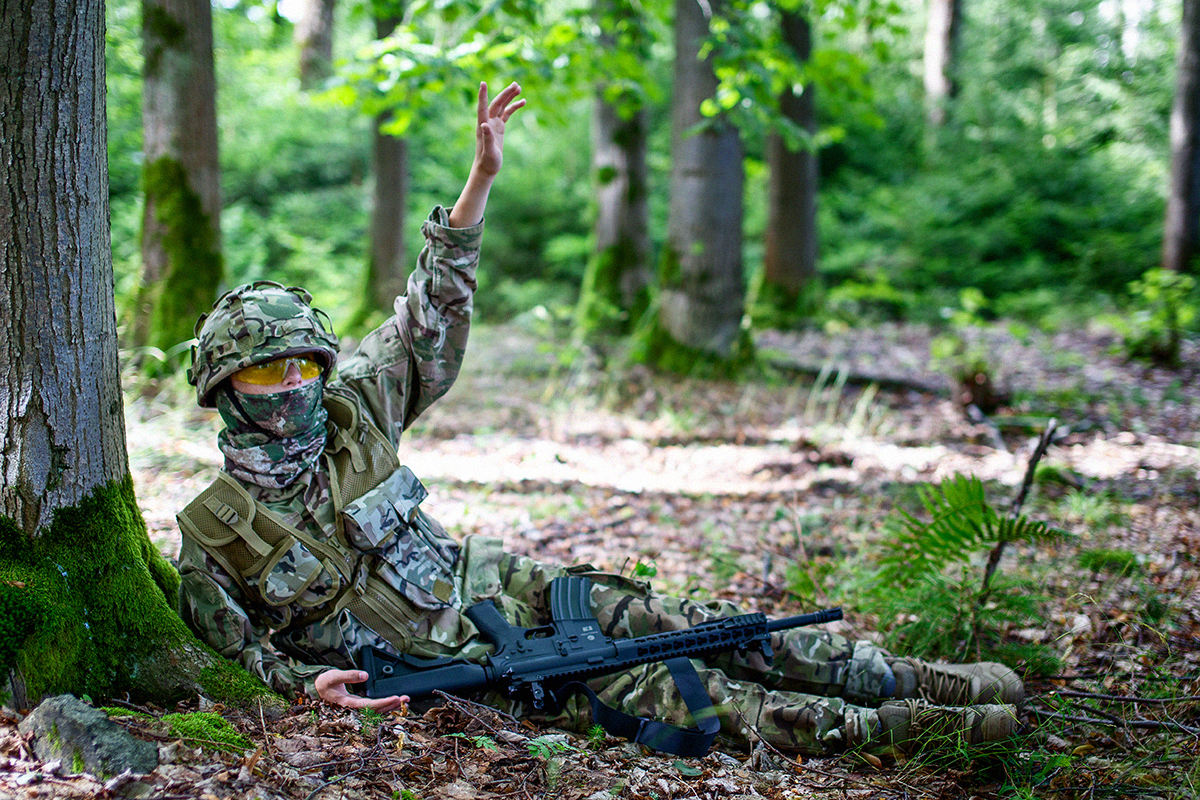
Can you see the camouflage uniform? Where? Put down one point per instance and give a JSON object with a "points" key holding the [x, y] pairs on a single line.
{"points": [[287, 624]]}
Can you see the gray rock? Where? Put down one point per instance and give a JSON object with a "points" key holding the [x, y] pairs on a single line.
{"points": [[85, 739]]}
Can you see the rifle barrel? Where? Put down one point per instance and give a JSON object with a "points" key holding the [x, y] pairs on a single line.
{"points": [[815, 618]]}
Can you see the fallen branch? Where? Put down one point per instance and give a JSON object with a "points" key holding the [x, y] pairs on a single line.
{"points": [[1144, 724]]}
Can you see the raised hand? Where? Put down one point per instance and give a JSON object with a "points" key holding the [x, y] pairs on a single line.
{"points": [[489, 132], [491, 118]]}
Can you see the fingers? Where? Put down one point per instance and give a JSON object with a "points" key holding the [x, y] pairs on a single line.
{"points": [[331, 686], [481, 107], [500, 106]]}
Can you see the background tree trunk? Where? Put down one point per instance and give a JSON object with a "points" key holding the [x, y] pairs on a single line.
{"points": [[313, 36], [941, 45], [702, 298], [617, 282], [83, 593], [1183, 190], [790, 252], [181, 234], [387, 269]]}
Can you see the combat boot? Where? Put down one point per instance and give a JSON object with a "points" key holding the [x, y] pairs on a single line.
{"points": [[956, 684], [907, 725]]}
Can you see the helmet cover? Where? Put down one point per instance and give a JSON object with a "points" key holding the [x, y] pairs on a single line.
{"points": [[257, 322]]}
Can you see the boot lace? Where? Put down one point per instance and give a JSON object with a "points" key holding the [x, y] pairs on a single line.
{"points": [[936, 686]]}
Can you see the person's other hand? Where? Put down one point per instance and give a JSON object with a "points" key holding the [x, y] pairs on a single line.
{"points": [[489, 132], [331, 686]]}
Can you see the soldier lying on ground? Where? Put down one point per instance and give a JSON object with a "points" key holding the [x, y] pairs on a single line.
{"points": [[312, 542]]}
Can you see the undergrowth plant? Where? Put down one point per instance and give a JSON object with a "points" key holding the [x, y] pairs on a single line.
{"points": [[941, 595]]}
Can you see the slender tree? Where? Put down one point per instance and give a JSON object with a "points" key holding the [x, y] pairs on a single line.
{"points": [[701, 299], [790, 252], [181, 234], [313, 36], [1182, 228], [619, 275], [387, 267], [85, 598], [942, 28]]}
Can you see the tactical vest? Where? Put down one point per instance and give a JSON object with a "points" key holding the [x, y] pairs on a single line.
{"points": [[274, 563]]}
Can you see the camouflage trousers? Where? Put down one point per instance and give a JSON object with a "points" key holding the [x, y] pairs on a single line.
{"points": [[799, 702]]}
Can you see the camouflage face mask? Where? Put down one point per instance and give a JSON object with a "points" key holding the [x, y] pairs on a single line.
{"points": [[269, 439]]}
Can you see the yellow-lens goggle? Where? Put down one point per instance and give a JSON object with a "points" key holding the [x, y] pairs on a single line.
{"points": [[270, 372]]}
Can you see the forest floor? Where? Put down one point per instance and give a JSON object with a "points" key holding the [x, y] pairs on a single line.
{"points": [[772, 493]]}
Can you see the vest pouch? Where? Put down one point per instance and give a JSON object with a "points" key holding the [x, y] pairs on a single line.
{"points": [[293, 574], [413, 558], [380, 513]]}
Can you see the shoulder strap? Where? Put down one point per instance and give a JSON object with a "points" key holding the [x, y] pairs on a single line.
{"points": [[685, 742], [358, 453]]}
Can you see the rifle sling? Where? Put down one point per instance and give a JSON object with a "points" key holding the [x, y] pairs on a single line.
{"points": [[684, 742]]}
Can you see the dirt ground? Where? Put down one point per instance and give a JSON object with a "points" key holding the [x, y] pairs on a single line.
{"points": [[735, 491]]}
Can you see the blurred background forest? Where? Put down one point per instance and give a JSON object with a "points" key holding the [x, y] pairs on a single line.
{"points": [[1034, 190]]}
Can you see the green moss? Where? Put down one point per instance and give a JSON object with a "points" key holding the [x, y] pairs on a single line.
{"points": [[602, 308], [773, 306], [77, 763], [81, 605], [654, 345], [193, 254], [118, 711], [161, 32], [228, 683], [670, 273], [208, 730]]}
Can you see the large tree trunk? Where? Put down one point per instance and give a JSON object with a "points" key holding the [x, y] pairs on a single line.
{"points": [[701, 303], [941, 46], [181, 236], [790, 253], [617, 283], [314, 38], [83, 593], [1183, 191]]}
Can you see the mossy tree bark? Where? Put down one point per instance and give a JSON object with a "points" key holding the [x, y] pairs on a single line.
{"points": [[181, 237], [1181, 235], [790, 241], [314, 39], [701, 303], [616, 284], [83, 594]]}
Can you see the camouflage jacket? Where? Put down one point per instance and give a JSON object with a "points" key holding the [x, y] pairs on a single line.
{"points": [[285, 627]]}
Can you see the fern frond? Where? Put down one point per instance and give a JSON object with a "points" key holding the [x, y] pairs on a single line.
{"points": [[961, 522]]}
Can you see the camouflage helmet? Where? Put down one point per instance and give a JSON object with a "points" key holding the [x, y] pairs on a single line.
{"points": [[253, 323]]}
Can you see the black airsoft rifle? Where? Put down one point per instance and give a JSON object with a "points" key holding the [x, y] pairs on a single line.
{"points": [[544, 664]]}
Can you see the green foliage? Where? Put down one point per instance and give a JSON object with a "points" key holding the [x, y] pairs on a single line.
{"points": [[961, 523], [480, 742], [209, 730], [936, 603], [1163, 306], [548, 746], [1050, 172], [1120, 562], [597, 738]]}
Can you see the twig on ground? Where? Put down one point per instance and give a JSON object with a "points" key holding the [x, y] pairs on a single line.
{"points": [[1118, 698], [1144, 724]]}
